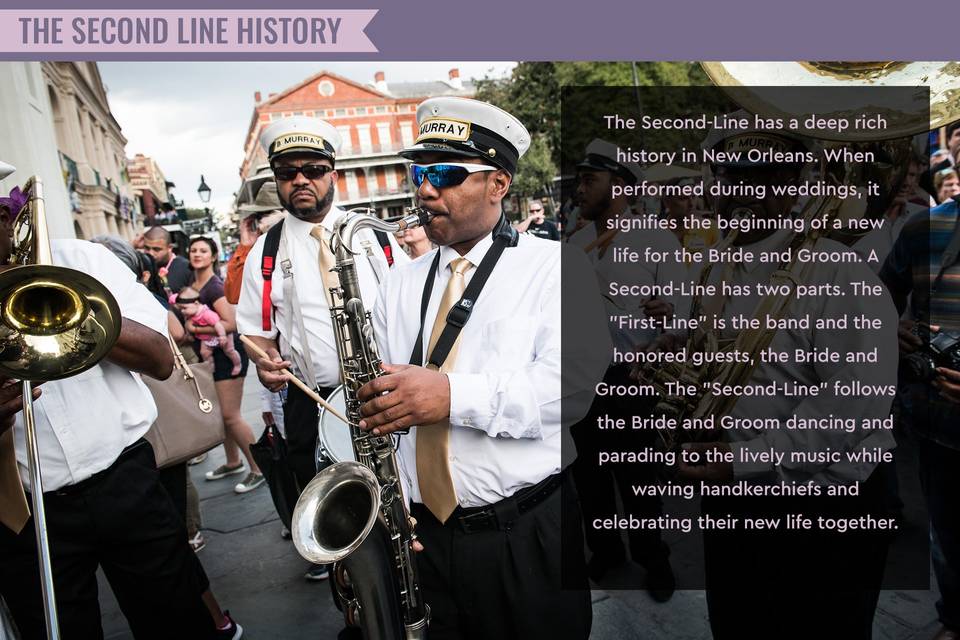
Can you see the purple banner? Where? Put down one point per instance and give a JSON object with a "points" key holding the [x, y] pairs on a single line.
{"points": [[510, 30], [196, 32]]}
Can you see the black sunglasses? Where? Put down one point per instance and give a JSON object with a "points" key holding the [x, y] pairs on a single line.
{"points": [[309, 171]]}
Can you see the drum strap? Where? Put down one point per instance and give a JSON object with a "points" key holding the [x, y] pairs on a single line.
{"points": [[300, 358]]}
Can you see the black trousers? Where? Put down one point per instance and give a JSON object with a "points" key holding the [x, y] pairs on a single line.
{"points": [[124, 521], [598, 486], [502, 583], [793, 583], [301, 419]]}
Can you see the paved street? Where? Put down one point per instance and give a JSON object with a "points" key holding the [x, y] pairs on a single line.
{"points": [[258, 577]]}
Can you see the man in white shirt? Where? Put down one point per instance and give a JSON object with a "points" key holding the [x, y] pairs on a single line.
{"points": [[104, 504], [597, 175], [484, 468], [809, 582], [290, 320]]}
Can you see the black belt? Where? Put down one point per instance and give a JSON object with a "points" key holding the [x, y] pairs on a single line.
{"points": [[83, 485], [503, 514]]}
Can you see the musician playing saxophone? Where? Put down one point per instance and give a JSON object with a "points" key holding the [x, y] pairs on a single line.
{"points": [[484, 468], [804, 583], [289, 315]]}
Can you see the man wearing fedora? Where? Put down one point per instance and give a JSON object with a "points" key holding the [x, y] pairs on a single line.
{"points": [[478, 319]]}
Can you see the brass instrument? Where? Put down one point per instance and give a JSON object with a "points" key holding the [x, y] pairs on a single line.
{"points": [[354, 513], [756, 86], [55, 322], [752, 341]]}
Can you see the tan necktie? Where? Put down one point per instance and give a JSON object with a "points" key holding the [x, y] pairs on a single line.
{"points": [[327, 261], [433, 440], [14, 511]]}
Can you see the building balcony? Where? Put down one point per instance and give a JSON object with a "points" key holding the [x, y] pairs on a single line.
{"points": [[350, 198], [371, 156]]}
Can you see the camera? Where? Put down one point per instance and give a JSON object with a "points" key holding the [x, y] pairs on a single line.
{"points": [[940, 349]]}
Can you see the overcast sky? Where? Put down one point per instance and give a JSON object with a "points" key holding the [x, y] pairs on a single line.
{"points": [[192, 117]]}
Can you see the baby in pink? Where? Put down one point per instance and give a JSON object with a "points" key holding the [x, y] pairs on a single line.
{"points": [[204, 316]]}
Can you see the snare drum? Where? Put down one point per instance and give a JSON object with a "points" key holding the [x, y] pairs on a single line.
{"points": [[333, 439]]}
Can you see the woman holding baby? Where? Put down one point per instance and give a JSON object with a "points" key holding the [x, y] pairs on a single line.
{"points": [[208, 325]]}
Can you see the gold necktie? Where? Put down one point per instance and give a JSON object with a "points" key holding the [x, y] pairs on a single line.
{"points": [[329, 277], [433, 440], [14, 511]]}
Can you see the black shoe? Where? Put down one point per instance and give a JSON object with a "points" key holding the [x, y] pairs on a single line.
{"points": [[600, 564], [233, 632], [661, 582], [317, 573]]}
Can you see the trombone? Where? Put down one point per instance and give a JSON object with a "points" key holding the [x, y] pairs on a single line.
{"points": [[55, 323]]}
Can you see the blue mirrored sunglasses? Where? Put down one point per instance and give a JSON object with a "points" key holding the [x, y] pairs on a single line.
{"points": [[445, 174]]}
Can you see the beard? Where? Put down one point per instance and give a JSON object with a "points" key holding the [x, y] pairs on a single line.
{"points": [[593, 210], [308, 213]]}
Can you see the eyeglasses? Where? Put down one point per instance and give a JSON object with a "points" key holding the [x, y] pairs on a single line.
{"points": [[445, 174], [287, 173]]}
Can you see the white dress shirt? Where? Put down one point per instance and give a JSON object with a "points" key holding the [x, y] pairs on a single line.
{"points": [[781, 406], [84, 422], [310, 292], [609, 270], [505, 386]]}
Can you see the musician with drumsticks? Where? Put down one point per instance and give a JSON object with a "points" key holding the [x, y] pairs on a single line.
{"points": [[284, 301]]}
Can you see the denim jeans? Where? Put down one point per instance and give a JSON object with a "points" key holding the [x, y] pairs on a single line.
{"points": [[938, 465]]}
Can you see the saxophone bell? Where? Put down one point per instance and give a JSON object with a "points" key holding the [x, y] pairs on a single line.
{"points": [[335, 512]]}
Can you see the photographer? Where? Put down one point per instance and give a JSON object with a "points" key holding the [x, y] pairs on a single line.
{"points": [[923, 267]]}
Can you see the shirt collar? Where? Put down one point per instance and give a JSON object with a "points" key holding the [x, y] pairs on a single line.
{"points": [[299, 226], [475, 255]]}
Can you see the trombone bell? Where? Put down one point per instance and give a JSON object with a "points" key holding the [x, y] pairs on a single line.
{"points": [[54, 322]]}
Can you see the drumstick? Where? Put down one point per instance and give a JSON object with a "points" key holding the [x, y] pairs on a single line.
{"points": [[295, 380]]}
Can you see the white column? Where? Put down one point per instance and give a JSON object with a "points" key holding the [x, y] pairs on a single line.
{"points": [[29, 141]]}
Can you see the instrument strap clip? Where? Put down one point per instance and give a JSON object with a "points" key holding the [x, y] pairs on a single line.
{"points": [[460, 313]]}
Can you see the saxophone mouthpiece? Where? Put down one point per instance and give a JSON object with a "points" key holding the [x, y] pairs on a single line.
{"points": [[424, 217]]}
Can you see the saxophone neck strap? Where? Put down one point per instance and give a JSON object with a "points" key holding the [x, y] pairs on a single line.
{"points": [[504, 235]]}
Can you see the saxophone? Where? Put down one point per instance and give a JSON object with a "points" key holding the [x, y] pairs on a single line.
{"points": [[354, 513]]}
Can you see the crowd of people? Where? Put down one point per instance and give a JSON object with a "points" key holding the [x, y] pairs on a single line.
{"points": [[498, 459]]}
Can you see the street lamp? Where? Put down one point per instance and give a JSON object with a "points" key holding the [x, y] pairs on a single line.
{"points": [[203, 190]]}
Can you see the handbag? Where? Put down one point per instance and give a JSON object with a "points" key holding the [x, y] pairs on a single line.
{"points": [[189, 421]]}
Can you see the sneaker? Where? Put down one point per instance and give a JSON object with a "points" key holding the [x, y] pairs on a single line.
{"points": [[198, 460], [317, 573], [233, 631], [223, 471], [197, 542], [251, 482], [285, 533]]}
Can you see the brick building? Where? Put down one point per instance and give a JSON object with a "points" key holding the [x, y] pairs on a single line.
{"points": [[375, 121], [149, 187]]}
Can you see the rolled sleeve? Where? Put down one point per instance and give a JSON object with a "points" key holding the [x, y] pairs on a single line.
{"points": [[135, 300]]}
